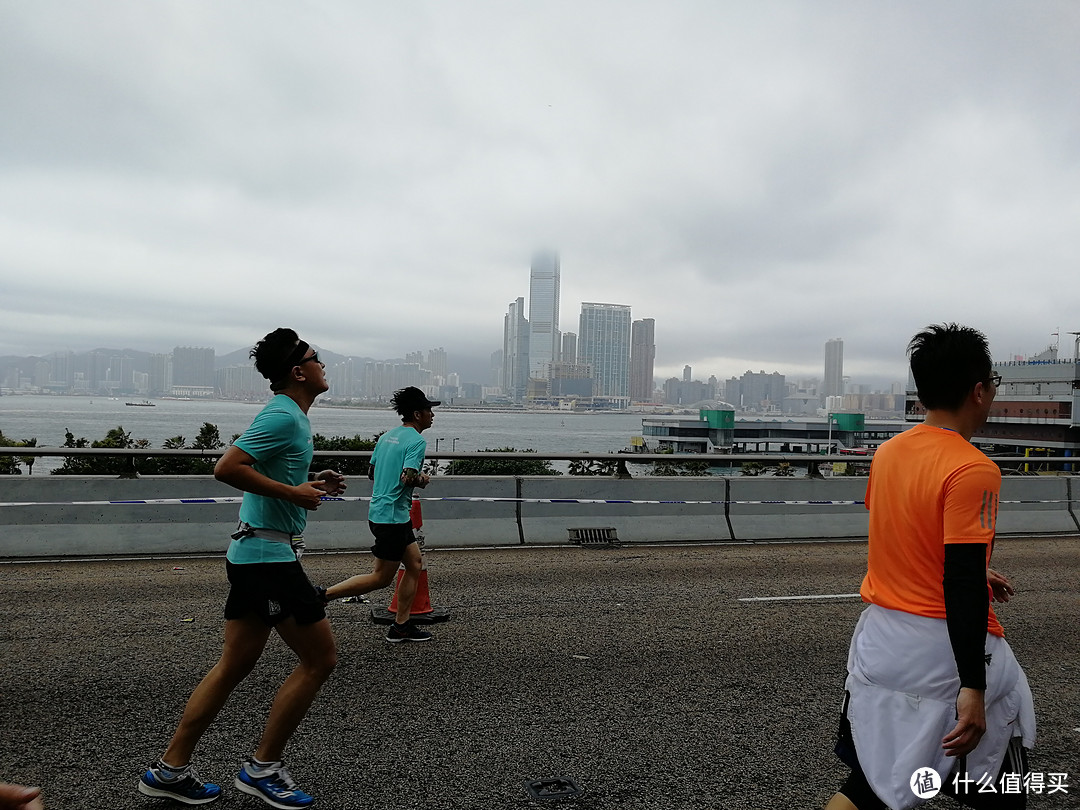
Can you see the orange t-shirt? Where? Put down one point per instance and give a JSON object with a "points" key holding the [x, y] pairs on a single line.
{"points": [[928, 486]]}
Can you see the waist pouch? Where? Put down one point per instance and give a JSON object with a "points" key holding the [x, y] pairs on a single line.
{"points": [[246, 530]]}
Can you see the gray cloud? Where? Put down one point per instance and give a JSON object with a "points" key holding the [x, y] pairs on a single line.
{"points": [[756, 177]]}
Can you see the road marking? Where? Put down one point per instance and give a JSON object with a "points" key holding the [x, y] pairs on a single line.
{"points": [[798, 598]]}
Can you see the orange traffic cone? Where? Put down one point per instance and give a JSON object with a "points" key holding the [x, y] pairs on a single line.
{"points": [[422, 610]]}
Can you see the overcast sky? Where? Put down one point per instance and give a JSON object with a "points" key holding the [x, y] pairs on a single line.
{"points": [[758, 177]]}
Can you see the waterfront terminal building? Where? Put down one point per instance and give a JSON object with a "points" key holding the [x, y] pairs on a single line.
{"points": [[1036, 413]]}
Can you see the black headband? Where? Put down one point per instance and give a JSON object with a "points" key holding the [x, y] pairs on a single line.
{"points": [[291, 361]]}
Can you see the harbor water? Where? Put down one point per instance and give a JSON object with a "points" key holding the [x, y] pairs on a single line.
{"points": [[47, 418]]}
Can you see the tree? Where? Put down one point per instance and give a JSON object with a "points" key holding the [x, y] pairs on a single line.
{"points": [[592, 466], [28, 460], [498, 466], [345, 466], [679, 468], [117, 438], [9, 465], [209, 438]]}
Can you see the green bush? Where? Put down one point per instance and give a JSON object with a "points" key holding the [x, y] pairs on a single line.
{"points": [[9, 465], [345, 466], [498, 466]]}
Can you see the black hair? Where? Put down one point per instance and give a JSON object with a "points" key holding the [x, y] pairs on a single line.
{"points": [[947, 362], [407, 401], [276, 354]]}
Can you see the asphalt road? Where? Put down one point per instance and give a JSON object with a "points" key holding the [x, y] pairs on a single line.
{"points": [[634, 671]]}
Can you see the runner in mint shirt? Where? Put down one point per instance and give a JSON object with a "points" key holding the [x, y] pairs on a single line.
{"points": [[396, 469], [401, 448], [269, 590]]}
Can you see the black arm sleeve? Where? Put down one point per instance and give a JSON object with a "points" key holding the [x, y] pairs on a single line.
{"points": [[967, 608]]}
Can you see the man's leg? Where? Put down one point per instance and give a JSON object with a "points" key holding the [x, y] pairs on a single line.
{"points": [[314, 644], [381, 576], [244, 642], [406, 591]]}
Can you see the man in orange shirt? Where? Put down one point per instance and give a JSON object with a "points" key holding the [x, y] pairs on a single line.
{"points": [[935, 699]]}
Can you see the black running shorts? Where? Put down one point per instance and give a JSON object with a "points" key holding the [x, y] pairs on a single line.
{"points": [[391, 540], [273, 591]]}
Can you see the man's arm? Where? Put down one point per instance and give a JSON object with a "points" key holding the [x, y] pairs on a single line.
{"points": [[967, 607], [237, 469], [414, 478]]}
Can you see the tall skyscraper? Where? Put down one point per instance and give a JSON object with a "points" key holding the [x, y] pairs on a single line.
{"points": [[834, 368], [436, 362], [642, 359], [569, 347], [604, 343], [161, 374], [193, 371], [515, 378], [543, 313]]}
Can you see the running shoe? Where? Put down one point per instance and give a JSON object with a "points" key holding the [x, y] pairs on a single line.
{"points": [[406, 632], [275, 786], [187, 788]]}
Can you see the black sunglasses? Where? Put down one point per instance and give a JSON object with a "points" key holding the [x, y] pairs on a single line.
{"points": [[995, 380], [314, 356]]}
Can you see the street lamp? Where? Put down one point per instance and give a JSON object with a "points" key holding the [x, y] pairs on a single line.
{"points": [[437, 444], [453, 447]]}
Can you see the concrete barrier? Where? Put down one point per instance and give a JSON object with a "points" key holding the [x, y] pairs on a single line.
{"points": [[56, 526]]}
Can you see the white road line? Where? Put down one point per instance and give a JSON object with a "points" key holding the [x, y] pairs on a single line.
{"points": [[798, 598]]}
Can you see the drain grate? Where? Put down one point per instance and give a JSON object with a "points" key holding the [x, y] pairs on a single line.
{"points": [[593, 536], [553, 789]]}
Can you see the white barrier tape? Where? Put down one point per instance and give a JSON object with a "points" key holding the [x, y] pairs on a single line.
{"points": [[175, 501], [238, 499]]}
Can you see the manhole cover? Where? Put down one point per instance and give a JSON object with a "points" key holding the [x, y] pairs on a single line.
{"points": [[558, 787]]}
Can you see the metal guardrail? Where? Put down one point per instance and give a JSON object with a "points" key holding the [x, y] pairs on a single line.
{"points": [[712, 459]]}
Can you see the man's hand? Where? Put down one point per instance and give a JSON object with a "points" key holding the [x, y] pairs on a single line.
{"points": [[308, 495], [970, 723], [1000, 588], [414, 478], [333, 482], [17, 797]]}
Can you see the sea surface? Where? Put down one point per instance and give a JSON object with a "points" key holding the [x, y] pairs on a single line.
{"points": [[47, 418]]}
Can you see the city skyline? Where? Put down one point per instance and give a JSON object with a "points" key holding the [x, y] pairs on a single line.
{"points": [[756, 178]]}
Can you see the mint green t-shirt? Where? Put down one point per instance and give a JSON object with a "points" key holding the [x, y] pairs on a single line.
{"points": [[279, 439], [396, 450]]}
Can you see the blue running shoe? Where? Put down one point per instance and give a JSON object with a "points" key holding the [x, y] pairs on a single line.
{"points": [[187, 788], [275, 786]]}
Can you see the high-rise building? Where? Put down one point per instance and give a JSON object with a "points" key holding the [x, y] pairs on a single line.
{"points": [[515, 378], [436, 362], [761, 392], [193, 372], [834, 368], [161, 376], [543, 313], [569, 347], [241, 382], [62, 369], [642, 359], [604, 343]]}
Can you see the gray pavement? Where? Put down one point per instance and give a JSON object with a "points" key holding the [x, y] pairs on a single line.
{"points": [[635, 671]]}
